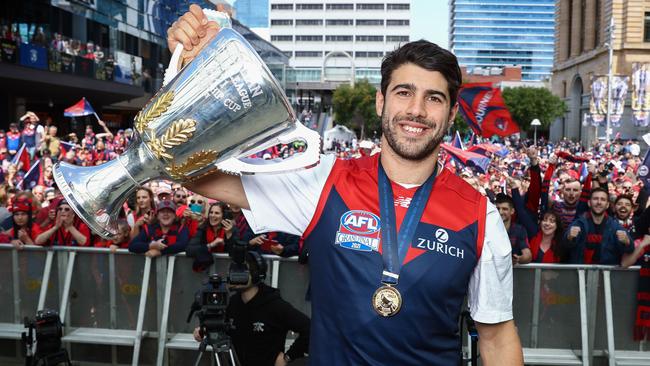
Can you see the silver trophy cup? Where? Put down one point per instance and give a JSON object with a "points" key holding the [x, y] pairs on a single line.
{"points": [[222, 107]]}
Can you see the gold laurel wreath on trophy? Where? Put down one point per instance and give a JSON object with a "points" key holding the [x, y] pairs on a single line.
{"points": [[177, 134]]}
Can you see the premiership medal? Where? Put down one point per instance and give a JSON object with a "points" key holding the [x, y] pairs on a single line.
{"points": [[387, 301]]}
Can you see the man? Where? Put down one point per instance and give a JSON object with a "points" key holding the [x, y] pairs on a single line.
{"points": [[260, 318], [521, 253], [568, 207], [364, 311], [180, 197], [51, 142], [596, 238]]}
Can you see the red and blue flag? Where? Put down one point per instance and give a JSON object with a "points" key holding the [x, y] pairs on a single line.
{"points": [[80, 109], [484, 110], [22, 156], [468, 158]]}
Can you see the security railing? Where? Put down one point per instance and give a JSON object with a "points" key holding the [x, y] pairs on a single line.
{"points": [[120, 308]]}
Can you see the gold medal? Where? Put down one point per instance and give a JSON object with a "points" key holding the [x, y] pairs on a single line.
{"points": [[387, 301]]}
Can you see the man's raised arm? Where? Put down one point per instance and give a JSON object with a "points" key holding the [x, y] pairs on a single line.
{"points": [[222, 187]]}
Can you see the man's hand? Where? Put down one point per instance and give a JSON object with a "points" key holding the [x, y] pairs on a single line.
{"points": [[279, 361], [198, 335], [532, 155], [258, 240], [153, 253], [621, 235], [574, 231], [157, 245], [193, 31], [277, 249]]}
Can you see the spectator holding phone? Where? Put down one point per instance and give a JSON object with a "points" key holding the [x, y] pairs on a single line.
{"points": [[194, 214], [164, 235], [278, 243], [144, 207], [216, 232]]}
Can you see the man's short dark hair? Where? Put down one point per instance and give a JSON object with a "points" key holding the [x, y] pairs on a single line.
{"points": [[429, 56], [599, 189], [504, 198], [624, 197]]}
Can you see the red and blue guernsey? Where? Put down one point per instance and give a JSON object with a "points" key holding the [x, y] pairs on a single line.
{"points": [[460, 248]]}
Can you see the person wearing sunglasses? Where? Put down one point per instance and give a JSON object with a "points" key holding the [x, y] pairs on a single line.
{"points": [[67, 229], [180, 197], [194, 213]]}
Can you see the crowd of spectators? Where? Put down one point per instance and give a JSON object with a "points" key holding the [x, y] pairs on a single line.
{"points": [[560, 202]]}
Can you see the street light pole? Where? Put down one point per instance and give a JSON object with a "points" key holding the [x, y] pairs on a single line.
{"points": [[610, 46], [535, 123]]}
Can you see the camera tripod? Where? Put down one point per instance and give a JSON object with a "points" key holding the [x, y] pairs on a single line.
{"points": [[222, 350], [34, 357]]}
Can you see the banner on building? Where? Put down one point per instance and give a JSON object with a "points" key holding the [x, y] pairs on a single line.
{"points": [[123, 69], [640, 97], [33, 56], [484, 110], [598, 100], [619, 91], [8, 50]]}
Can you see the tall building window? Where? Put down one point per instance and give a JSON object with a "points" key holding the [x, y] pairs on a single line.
{"points": [[309, 6], [646, 33], [281, 6], [282, 38], [281, 21], [397, 38], [370, 6], [339, 6], [370, 38], [368, 54], [370, 22], [338, 38], [309, 38], [398, 22], [339, 22], [309, 21], [398, 6], [309, 54]]}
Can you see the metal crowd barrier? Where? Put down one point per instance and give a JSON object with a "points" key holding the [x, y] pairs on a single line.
{"points": [[129, 309]]}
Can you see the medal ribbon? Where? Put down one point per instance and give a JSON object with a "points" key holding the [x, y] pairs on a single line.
{"points": [[394, 245]]}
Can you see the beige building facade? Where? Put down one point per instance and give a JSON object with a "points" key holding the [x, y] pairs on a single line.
{"points": [[581, 52]]}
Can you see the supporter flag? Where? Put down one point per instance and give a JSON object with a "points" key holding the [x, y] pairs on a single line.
{"points": [[65, 147], [32, 177], [457, 142], [483, 109], [80, 109], [467, 158], [644, 171], [484, 149], [22, 156], [572, 158]]}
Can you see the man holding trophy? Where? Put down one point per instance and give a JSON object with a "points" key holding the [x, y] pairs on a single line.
{"points": [[395, 241]]}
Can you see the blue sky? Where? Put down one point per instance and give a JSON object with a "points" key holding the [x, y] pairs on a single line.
{"points": [[430, 20]]}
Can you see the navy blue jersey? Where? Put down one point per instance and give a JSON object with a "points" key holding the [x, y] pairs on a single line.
{"points": [[344, 243]]}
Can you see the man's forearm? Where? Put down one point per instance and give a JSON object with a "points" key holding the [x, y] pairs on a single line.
{"points": [[499, 344]]}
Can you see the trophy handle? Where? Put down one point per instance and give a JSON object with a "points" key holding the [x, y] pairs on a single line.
{"points": [[308, 158]]}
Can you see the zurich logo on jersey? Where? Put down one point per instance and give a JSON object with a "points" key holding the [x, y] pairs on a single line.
{"points": [[359, 230]]}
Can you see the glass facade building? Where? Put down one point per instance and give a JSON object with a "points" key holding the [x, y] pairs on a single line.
{"points": [[252, 13], [497, 33]]}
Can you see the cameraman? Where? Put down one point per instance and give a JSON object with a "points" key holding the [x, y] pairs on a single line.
{"points": [[261, 320]]}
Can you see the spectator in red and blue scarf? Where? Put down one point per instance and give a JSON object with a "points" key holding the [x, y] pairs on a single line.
{"points": [[163, 236]]}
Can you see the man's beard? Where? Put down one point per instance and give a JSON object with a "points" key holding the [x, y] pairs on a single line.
{"points": [[410, 150]]}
